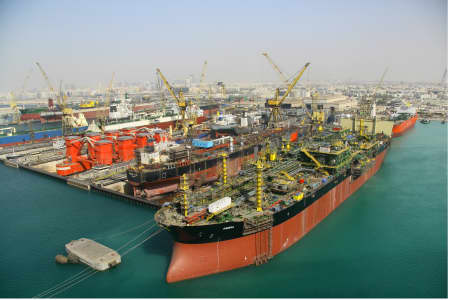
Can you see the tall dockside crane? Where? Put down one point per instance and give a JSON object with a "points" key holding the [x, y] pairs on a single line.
{"points": [[14, 108], [182, 105], [444, 77], [275, 67], [66, 111], [367, 108], [108, 92], [202, 77], [368, 105], [275, 103]]}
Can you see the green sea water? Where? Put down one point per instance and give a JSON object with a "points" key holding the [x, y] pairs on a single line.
{"points": [[389, 239]]}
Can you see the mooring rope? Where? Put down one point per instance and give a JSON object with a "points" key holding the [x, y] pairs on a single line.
{"points": [[81, 276]]}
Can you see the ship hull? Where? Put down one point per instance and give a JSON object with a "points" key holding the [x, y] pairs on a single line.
{"points": [[230, 248], [400, 128]]}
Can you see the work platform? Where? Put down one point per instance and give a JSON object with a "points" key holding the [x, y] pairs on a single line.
{"points": [[93, 254]]}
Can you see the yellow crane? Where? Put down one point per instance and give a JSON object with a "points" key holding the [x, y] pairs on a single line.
{"points": [[275, 67], [319, 166], [61, 100], [181, 102], [14, 108], [275, 103]]}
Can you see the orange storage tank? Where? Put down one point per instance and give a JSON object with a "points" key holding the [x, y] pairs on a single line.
{"points": [[73, 147], [126, 147], [93, 137], [104, 152], [112, 135], [141, 140], [127, 131]]}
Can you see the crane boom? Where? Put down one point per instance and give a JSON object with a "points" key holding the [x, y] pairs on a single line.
{"points": [[169, 87], [275, 103], [444, 76], [182, 105], [108, 99], [294, 82], [283, 77], [202, 78], [60, 103]]}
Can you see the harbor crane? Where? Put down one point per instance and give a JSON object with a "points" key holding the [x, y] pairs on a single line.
{"points": [[444, 77], [61, 100], [107, 102], [202, 77], [184, 122], [368, 105], [275, 67], [368, 108], [275, 103]]}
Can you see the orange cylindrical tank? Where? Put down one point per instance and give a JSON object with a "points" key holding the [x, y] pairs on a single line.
{"points": [[141, 140], [126, 147], [73, 147], [112, 135], [127, 131], [104, 152], [93, 137]]}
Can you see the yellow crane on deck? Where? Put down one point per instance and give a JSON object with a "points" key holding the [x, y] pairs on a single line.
{"points": [[275, 103], [181, 102]]}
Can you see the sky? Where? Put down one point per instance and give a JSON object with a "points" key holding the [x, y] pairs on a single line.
{"points": [[83, 42]]}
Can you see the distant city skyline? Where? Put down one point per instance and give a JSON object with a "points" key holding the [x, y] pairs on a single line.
{"points": [[83, 42]]}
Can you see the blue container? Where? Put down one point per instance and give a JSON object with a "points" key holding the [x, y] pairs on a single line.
{"points": [[202, 144]]}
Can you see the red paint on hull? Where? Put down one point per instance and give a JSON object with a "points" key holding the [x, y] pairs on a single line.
{"points": [[404, 126], [196, 260]]}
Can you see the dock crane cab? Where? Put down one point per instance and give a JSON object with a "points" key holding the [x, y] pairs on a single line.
{"points": [[274, 104]]}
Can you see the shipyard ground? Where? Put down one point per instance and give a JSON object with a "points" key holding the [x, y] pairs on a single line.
{"points": [[42, 158]]}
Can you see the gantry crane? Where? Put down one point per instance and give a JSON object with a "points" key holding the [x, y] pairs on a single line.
{"points": [[275, 103], [275, 67], [61, 100], [182, 105]]}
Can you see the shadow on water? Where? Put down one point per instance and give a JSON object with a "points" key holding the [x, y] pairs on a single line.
{"points": [[160, 245]]}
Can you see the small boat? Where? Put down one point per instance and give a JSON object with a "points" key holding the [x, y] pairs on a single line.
{"points": [[425, 121], [444, 121]]}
